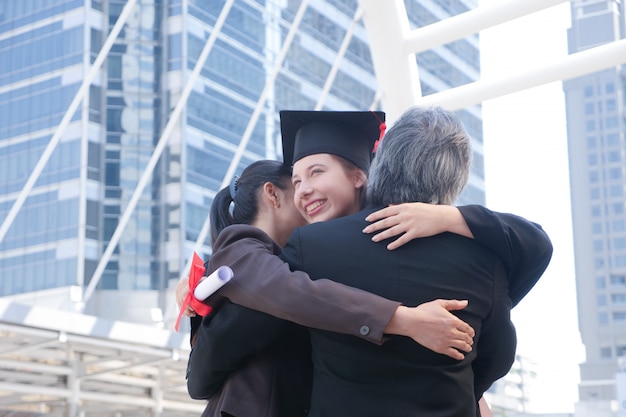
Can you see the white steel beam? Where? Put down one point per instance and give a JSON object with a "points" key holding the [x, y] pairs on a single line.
{"points": [[83, 89], [156, 155], [107, 398], [35, 367], [471, 22], [32, 389], [85, 374], [395, 66], [23, 348], [571, 66], [396, 71]]}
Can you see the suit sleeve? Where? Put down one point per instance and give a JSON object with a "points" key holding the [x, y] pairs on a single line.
{"points": [[224, 341], [523, 246], [497, 342], [262, 281]]}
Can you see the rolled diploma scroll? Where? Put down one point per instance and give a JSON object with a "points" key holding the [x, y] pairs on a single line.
{"points": [[213, 282]]}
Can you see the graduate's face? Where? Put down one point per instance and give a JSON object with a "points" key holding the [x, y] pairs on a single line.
{"points": [[324, 188]]}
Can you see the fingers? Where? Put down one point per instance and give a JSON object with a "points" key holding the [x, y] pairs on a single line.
{"points": [[467, 329], [464, 329], [440, 330], [181, 290], [391, 231], [462, 346], [402, 240], [452, 305], [382, 224], [461, 335], [453, 353], [462, 326], [190, 312], [381, 214], [457, 347]]}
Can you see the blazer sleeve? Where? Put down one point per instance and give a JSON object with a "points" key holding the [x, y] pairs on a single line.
{"points": [[224, 341], [523, 246], [497, 341], [262, 281]]}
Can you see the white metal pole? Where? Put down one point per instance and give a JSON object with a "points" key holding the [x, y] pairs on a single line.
{"points": [[255, 116], [84, 155], [396, 71], [47, 153], [571, 66], [471, 22], [158, 150]]}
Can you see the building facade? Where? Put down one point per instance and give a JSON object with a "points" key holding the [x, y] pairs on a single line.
{"points": [[512, 394], [595, 108], [71, 214], [56, 242]]}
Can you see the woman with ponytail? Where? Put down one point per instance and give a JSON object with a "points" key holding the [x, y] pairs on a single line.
{"points": [[262, 196]]}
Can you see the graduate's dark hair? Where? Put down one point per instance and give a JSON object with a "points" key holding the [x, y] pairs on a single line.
{"points": [[243, 193]]}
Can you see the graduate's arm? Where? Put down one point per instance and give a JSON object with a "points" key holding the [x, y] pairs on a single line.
{"points": [[262, 281], [497, 341], [522, 245]]}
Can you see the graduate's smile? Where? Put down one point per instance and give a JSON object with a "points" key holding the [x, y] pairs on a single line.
{"points": [[315, 207]]}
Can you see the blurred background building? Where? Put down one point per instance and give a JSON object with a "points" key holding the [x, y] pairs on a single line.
{"points": [[513, 393], [58, 237], [264, 56], [103, 234], [596, 114]]}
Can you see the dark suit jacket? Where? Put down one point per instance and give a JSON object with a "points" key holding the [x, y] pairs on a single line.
{"points": [[523, 246], [402, 378]]}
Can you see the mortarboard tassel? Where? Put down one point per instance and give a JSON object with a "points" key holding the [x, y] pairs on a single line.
{"points": [[382, 127]]}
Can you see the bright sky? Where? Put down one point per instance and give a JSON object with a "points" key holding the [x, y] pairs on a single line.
{"points": [[527, 174]]}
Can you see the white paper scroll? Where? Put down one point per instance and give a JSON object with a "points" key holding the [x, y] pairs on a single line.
{"points": [[213, 282]]}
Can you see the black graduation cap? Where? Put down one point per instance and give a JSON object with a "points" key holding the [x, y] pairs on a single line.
{"points": [[349, 134]]}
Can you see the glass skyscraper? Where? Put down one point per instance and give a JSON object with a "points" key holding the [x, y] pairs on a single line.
{"points": [[65, 224], [596, 106], [82, 199]]}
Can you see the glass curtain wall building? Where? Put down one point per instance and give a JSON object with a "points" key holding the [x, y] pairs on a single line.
{"points": [[596, 106], [46, 47]]}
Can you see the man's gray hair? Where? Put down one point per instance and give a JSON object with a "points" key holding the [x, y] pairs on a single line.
{"points": [[425, 156]]}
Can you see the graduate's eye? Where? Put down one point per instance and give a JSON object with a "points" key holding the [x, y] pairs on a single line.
{"points": [[295, 183]]}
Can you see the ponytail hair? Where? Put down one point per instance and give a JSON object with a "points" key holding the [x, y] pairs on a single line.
{"points": [[244, 194]]}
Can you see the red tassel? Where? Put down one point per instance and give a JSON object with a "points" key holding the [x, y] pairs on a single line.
{"points": [[195, 276], [382, 127]]}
